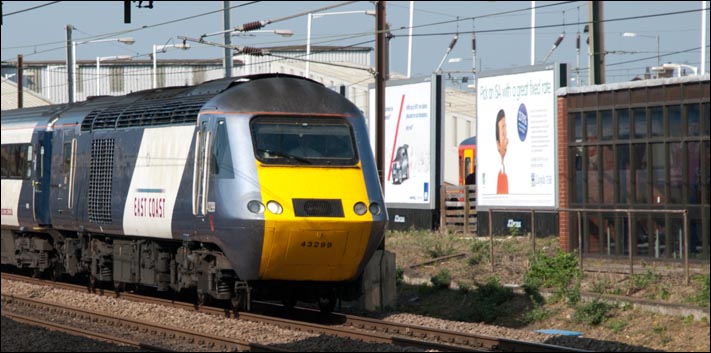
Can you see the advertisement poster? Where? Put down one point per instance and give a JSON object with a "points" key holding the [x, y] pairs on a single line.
{"points": [[408, 144], [516, 149]]}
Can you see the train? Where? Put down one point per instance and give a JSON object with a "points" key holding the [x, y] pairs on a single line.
{"points": [[242, 188], [467, 161]]}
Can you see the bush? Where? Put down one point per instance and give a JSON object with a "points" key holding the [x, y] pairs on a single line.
{"points": [[399, 276], [488, 299], [561, 273], [442, 279], [438, 245], [702, 295], [592, 313], [480, 252]]}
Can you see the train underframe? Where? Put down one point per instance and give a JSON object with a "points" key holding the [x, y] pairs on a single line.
{"points": [[160, 264]]}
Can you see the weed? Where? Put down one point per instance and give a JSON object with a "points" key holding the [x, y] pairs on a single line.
{"points": [[639, 282], [702, 294], [560, 273], [489, 298], [399, 276], [480, 252], [664, 293], [616, 325], [592, 313], [600, 286], [688, 319], [538, 313], [442, 279], [440, 245]]}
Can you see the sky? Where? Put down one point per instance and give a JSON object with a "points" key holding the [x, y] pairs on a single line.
{"points": [[503, 38]]}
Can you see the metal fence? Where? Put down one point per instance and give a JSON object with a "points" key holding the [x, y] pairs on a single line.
{"points": [[579, 212]]}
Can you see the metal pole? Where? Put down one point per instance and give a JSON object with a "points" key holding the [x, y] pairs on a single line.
{"points": [[75, 68], [580, 241], [466, 209], [533, 32], [155, 68], [228, 38], [443, 209], [533, 230], [686, 246], [409, 39], [380, 90], [308, 45], [704, 15], [20, 86], [629, 240], [70, 64], [98, 60], [491, 242]]}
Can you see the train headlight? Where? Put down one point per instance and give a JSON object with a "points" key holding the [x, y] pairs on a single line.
{"points": [[375, 208], [360, 208], [255, 206], [274, 207]]}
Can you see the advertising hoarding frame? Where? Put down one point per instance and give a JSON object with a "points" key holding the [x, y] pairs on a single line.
{"points": [[559, 72], [419, 213]]}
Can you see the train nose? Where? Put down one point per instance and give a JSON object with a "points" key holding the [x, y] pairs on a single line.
{"points": [[321, 249]]}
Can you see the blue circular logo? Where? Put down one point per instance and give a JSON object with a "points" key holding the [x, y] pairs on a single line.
{"points": [[522, 122]]}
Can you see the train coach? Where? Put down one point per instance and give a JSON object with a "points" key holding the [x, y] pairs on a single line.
{"points": [[260, 186]]}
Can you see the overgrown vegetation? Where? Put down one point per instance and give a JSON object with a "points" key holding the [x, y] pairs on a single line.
{"points": [[479, 252], [560, 273], [399, 276], [640, 282], [481, 297], [489, 298], [702, 294], [592, 313], [442, 279]]}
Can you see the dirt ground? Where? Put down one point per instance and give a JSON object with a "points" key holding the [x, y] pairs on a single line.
{"points": [[470, 266]]}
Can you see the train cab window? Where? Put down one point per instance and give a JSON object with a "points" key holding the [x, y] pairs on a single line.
{"points": [[221, 156], [304, 140], [16, 161]]}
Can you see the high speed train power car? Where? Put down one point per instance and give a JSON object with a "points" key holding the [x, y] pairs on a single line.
{"points": [[260, 185]]}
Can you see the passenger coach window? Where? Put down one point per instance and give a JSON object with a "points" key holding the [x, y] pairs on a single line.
{"points": [[303, 140], [221, 163], [17, 161]]}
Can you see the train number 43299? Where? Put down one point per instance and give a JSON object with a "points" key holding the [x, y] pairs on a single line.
{"points": [[316, 244]]}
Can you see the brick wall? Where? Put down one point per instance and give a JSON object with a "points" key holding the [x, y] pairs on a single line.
{"points": [[563, 220]]}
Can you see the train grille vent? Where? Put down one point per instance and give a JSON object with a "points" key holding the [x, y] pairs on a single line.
{"points": [[318, 208], [165, 111], [101, 171]]}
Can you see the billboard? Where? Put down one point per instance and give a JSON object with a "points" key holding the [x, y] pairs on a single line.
{"points": [[516, 138], [410, 143]]}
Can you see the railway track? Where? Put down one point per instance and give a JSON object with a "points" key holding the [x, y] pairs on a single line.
{"points": [[12, 305], [340, 325]]}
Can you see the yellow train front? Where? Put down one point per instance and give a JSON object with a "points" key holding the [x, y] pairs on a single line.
{"points": [[285, 180]]}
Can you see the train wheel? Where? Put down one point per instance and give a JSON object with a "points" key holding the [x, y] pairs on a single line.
{"points": [[92, 283], [239, 303], [289, 301], [202, 298], [327, 304], [55, 273], [119, 287]]}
